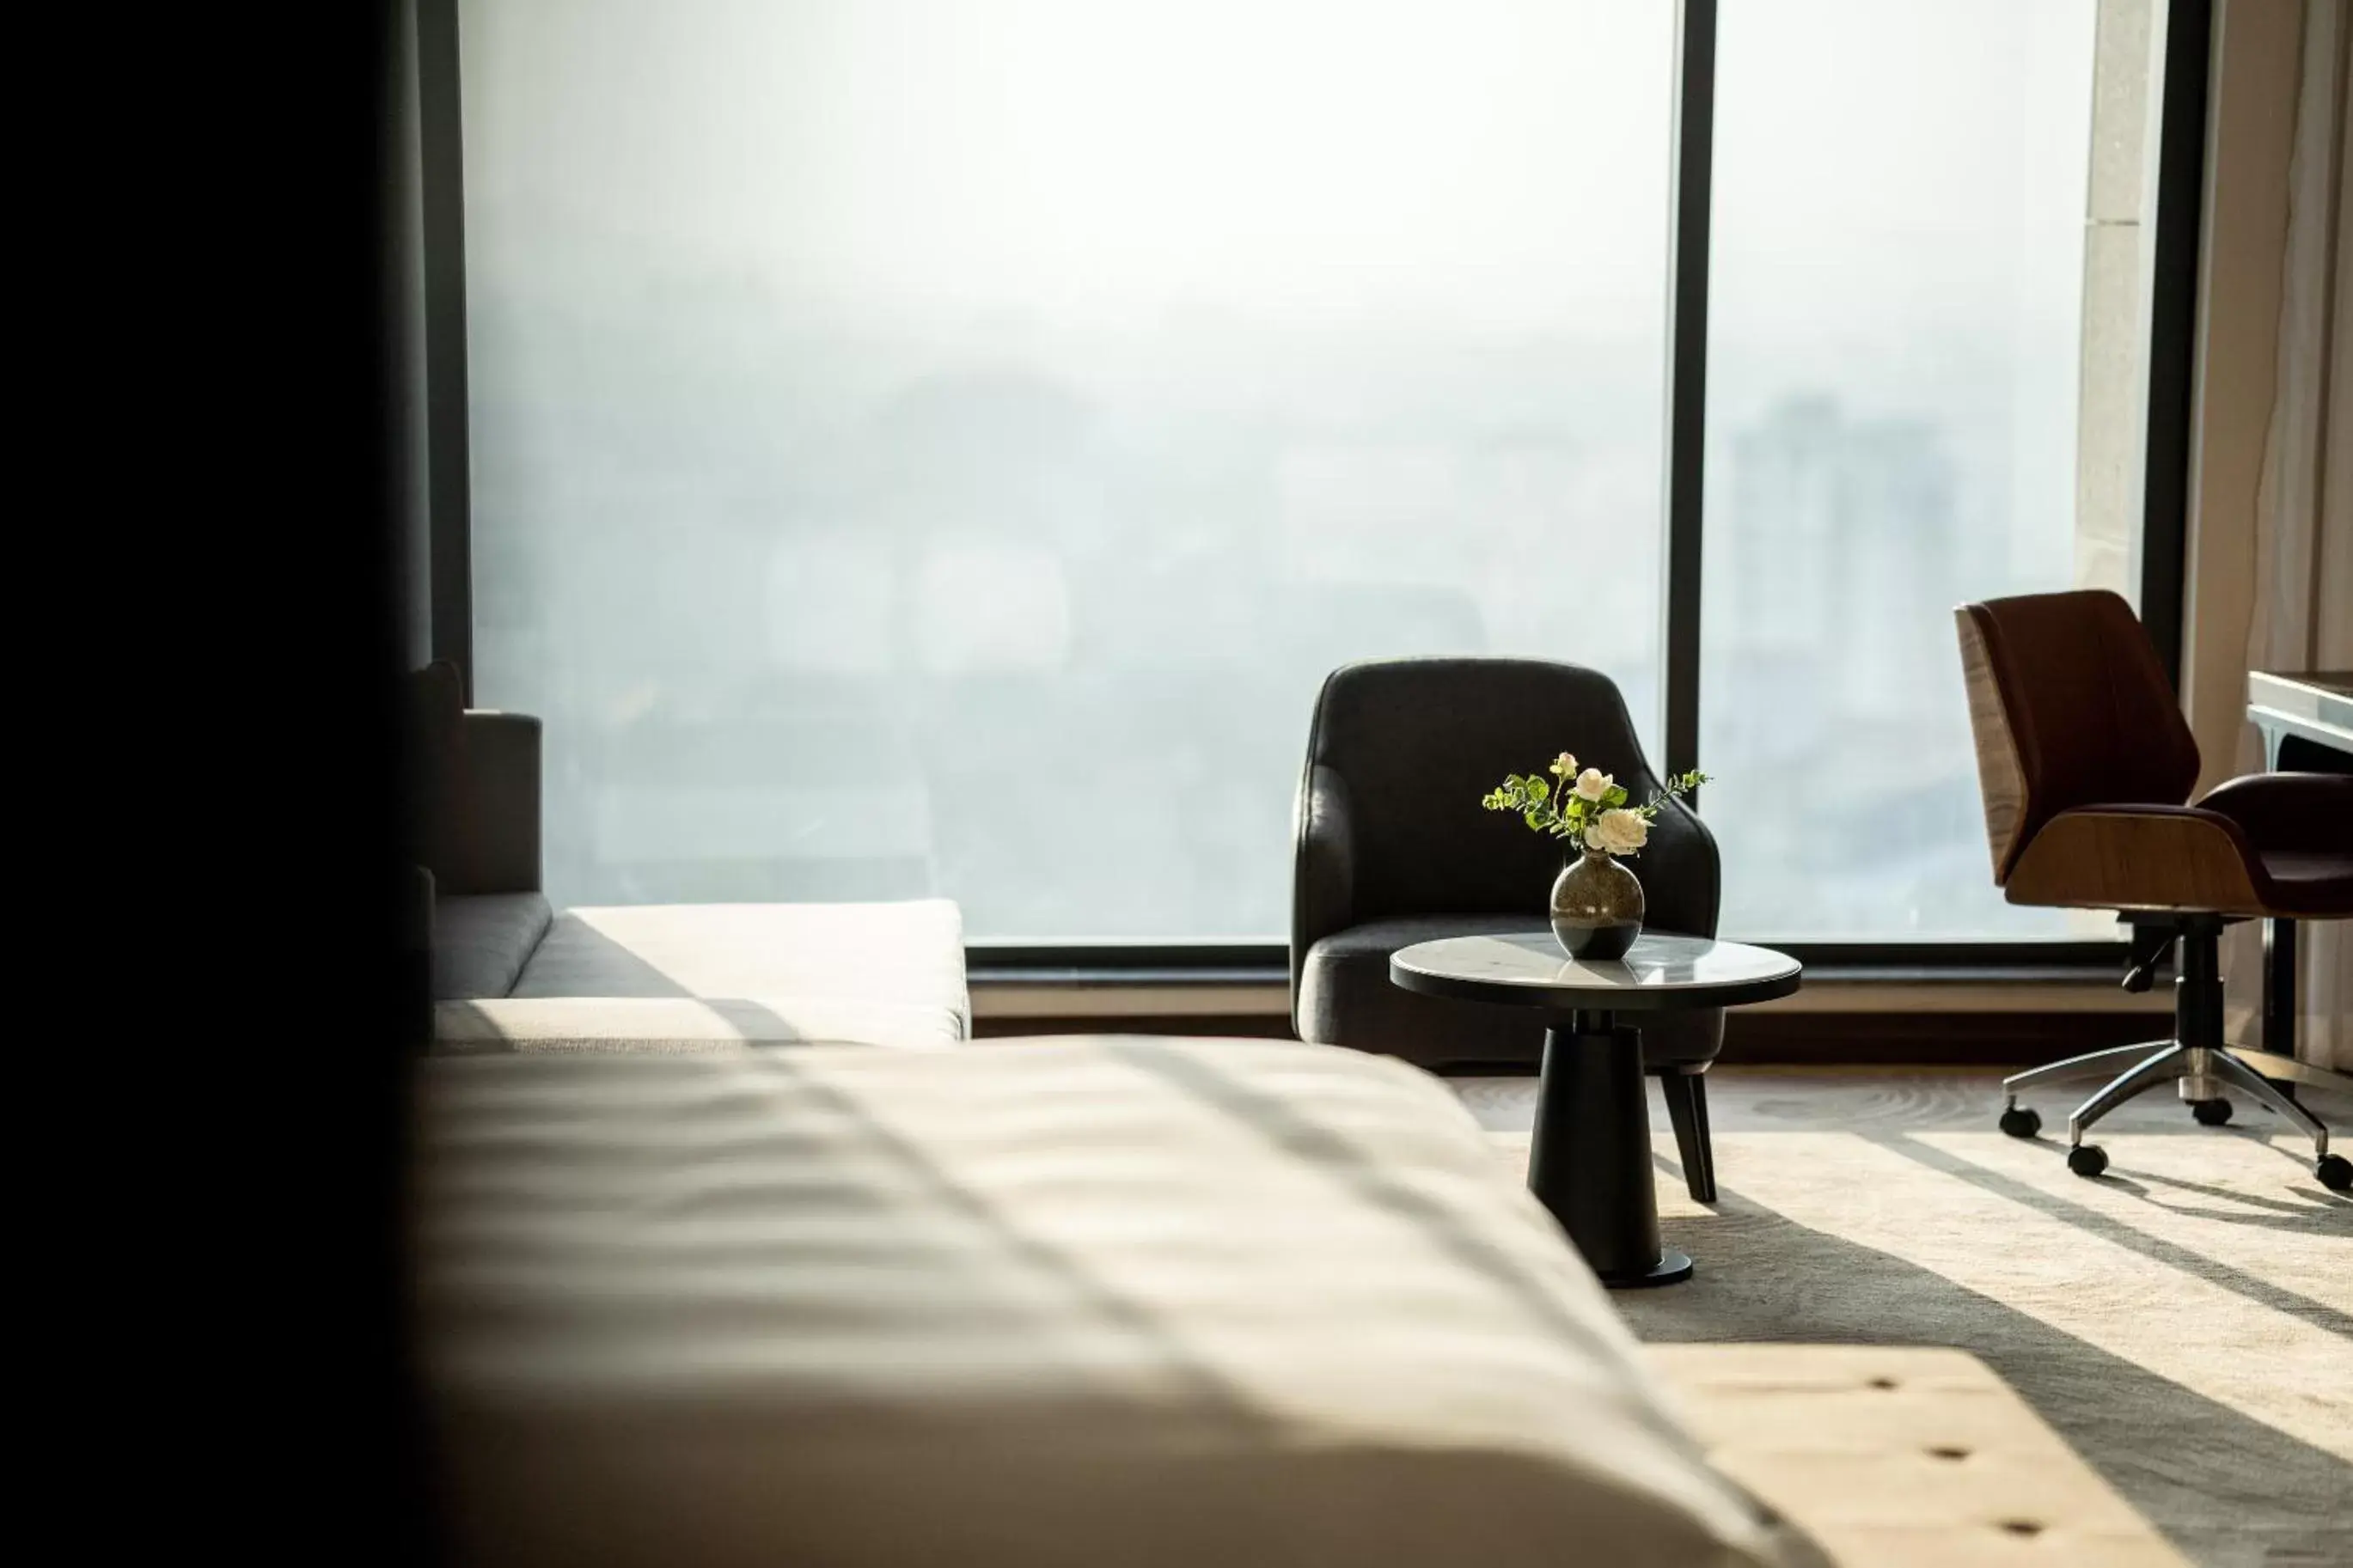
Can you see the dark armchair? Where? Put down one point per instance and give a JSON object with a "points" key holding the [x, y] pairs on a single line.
{"points": [[1393, 850]]}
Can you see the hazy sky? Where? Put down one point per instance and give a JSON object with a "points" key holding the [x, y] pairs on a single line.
{"points": [[1317, 157], [1340, 322], [1105, 185], [1312, 156]]}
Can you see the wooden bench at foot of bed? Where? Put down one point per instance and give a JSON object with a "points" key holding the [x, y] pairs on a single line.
{"points": [[1890, 1456]]}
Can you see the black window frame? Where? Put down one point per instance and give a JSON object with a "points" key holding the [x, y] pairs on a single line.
{"points": [[2183, 79]]}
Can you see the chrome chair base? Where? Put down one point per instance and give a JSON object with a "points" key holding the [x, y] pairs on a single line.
{"points": [[2201, 1071]]}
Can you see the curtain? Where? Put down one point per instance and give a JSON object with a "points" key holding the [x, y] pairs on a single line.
{"points": [[2303, 536]]}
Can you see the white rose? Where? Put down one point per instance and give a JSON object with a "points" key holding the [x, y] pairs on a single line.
{"points": [[1564, 765], [1618, 832], [1593, 784]]}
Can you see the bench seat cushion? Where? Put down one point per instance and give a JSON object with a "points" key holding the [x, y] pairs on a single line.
{"points": [[1153, 1303], [909, 953]]}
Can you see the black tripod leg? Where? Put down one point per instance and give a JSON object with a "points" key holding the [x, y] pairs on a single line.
{"points": [[1686, 1095]]}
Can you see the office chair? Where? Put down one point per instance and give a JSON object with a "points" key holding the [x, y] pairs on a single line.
{"points": [[2084, 763]]}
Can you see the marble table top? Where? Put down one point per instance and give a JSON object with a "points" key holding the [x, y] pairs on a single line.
{"points": [[1659, 971]]}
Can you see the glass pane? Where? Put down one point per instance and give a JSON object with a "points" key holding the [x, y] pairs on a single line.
{"points": [[933, 447], [1896, 274]]}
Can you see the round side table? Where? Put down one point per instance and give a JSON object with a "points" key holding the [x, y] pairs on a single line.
{"points": [[1590, 1160]]}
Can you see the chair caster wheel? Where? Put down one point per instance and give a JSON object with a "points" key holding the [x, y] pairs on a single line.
{"points": [[2211, 1112], [2087, 1159], [2021, 1121], [2335, 1173]]}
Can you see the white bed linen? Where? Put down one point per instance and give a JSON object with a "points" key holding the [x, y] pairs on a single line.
{"points": [[1084, 1301]]}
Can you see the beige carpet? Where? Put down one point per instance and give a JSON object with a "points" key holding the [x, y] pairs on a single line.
{"points": [[2185, 1323]]}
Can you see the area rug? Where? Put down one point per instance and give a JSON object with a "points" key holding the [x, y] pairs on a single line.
{"points": [[2186, 1322]]}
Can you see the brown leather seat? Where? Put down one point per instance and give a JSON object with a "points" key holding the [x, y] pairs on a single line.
{"points": [[2086, 763], [2300, 827]]}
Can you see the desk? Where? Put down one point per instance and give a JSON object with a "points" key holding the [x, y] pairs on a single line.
{"points": [[2307, 726]]}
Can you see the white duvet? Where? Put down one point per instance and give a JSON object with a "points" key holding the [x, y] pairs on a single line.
{"points": [[1090, 1301]]}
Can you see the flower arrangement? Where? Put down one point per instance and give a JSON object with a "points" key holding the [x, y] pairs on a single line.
{"points": [[1588, 808]]}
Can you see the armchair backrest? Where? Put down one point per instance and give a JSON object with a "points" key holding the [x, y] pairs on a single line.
{"points": [[1411, 746], [2069, 707]]}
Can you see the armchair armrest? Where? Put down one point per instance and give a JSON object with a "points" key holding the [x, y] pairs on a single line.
{"points": [[1683, 872], [1323, 869], [2288, 811], [494, 842], [2138, 857]]}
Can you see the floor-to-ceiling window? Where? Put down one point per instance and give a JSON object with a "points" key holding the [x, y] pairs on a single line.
{"points": [[939, 446], [1896, 298]]}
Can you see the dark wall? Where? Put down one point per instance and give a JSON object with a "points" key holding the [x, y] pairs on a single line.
{"points": [[212, 707]]}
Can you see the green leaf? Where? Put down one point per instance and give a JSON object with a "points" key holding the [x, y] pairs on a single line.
{"points": [[1538, 790], [1617, 795]]}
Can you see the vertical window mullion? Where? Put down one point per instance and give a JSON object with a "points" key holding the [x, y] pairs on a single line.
{"points": [[1689, 210], [2173, 323]]}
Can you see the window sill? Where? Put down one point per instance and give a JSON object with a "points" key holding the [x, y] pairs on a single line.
{"points": [[1259, 993]]}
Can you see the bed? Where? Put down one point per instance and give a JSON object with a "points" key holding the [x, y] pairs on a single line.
{"points": [[1085, 1301]]}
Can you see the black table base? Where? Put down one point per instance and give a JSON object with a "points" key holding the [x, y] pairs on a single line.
{"points": [[1589, 1159]]}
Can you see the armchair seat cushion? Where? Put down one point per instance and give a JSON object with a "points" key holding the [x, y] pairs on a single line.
{"points": [[1345, 998]]}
